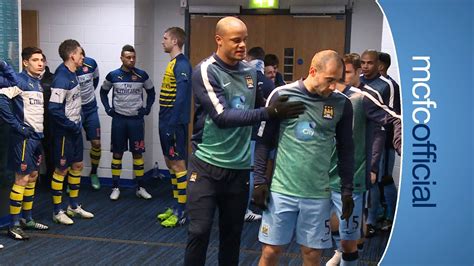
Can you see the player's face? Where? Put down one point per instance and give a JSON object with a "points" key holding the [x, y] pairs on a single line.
{"points": [[325, 80], [352, 75], [270, 73], [128, 59], [233, 43], [35, 65], [369, 64], [78, 56], [168, 42]]}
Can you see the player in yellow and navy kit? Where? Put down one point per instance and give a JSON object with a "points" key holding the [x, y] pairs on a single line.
{"points": [[128, 127], [65, 114], [21, 107], [175, 105], [88, 76]]}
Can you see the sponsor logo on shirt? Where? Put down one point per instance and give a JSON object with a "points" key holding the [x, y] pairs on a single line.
{"points": [[238, 102], [328, 112], [305, 130]]}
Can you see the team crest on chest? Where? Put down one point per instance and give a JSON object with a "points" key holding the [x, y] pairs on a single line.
{"points": [[193, 177], [85, 69], [249, 81], [134, 78], [328, 112]]}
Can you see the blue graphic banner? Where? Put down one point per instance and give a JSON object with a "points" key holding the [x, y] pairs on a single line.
{"points": [[434, 219]]}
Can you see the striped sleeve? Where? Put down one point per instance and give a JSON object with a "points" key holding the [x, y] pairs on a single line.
{"points": [[211, 95]]}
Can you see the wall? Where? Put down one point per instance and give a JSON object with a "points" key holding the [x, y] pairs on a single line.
{"points": [[366, 30], [102, 28]]}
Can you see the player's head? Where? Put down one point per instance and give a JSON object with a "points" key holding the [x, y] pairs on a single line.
{"points": [[369, 61], [33, 60], [384, 63], [173, 38], [271, 60], [255, 53], [231, 37], [324, 72], [71, 51], [270, 72], [352, 69], [128, 56]]}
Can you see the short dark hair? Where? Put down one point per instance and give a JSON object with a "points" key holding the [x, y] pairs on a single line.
{"points": [[257, 53], [271, 60], [67, 47], [371, 52], [179, 34], [27, 52], [127, 48], [384, 58], [353, 59]]}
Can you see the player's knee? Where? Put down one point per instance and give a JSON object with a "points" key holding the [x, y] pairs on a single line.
{"points": [[21, 180], [271, 251], [313, 254], [77, 166], [95, 144], [137, 156], [348, 246], [200, 229], [117, 156], [33, 177]]}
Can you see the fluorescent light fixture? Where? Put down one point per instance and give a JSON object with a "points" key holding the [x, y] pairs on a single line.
{"points": [[257, 4], [214, 9], [322, 9]]}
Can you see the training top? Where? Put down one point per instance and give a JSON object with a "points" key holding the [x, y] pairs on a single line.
{"points": [[65, 102], [175, 94], [225, 97], [127, 93], [305, 144], [27, 101], [88, 76]]}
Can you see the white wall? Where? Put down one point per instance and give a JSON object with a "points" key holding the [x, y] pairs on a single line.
{"points": [[366, 31], [102, 27]]}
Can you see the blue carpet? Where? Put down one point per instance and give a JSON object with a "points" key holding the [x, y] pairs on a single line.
{"points": [[126, 232]]}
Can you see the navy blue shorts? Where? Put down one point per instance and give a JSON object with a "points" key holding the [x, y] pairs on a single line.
{"points": [[127, 134], [175, 146], [91, 124], [26, 154], [68, 149]]}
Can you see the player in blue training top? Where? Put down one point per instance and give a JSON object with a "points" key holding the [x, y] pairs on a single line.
{"points": [[127, 111], [21, 106], [175, 105], [88, 76], [224, 90], [65, 114]]}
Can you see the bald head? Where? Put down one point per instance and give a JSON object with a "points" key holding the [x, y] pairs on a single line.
{"points": [[227, 23], [321, 59]]}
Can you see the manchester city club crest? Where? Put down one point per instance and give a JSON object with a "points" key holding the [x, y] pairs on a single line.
{"points": [[328, 112], [249, 81], [85, 69]]}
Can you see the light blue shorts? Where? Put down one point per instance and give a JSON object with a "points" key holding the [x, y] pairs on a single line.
{"points": [[348, 230], [309, 218]]}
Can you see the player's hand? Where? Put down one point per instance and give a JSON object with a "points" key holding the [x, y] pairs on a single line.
{"points": [[282, 109], [347, 207], [110, 112], [26, 131], [143, 111], [77, 129], [260, 196]]}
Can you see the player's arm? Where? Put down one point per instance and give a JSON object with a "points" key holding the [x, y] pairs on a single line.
{"points": [[57, 105], [345, 149], [210, 94], [8, 77], [95, 75], [6, 95], [150, 94], [183, 80], [104, 91]]}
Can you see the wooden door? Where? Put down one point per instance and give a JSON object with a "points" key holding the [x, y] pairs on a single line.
{"points": [[29, 28]]}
